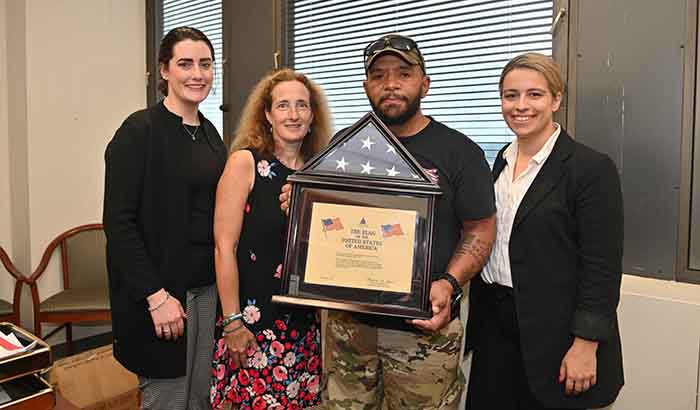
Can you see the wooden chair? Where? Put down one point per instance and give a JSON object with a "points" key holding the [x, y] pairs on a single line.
{"points": [[9, 311], [85, 294]]}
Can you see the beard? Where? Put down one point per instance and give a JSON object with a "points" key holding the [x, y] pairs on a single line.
{"points": [[402, 117]]}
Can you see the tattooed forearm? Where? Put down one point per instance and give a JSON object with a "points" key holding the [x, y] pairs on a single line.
{"points": [[474, 248], [473, 245]]}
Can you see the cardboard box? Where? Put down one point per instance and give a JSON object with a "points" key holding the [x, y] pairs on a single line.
{"points": [[94, 380]]}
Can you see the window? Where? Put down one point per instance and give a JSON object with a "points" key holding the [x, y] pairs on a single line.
{"points": [[206, 16], [646, 126], [465, 45]]}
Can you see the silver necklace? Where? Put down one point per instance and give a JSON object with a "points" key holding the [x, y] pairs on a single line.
{"points": [[191, 134]]}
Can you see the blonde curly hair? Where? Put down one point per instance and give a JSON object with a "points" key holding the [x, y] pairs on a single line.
{"points": [[254, 130]]}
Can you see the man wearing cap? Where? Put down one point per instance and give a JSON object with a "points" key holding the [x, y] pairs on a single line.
{"points": [[414, 365]]}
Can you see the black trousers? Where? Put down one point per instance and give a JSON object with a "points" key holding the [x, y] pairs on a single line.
{"points": [[498, 380]]}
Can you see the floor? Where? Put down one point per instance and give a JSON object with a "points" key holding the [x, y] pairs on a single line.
{"points": [[62, 350]]}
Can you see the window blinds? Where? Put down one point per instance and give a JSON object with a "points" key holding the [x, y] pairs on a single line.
{"points": [[465, 45]]}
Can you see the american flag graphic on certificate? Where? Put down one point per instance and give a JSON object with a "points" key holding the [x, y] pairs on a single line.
{"points": [[331, 224], [391, 230]]}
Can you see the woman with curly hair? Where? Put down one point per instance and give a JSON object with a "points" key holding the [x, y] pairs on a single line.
{"points": [[267, 356]]}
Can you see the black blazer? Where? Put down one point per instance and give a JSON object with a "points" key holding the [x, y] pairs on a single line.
{"points": [[146, 221], [566, 263]]}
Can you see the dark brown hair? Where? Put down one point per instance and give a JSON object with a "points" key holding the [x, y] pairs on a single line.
{"points": [[167, 45]]}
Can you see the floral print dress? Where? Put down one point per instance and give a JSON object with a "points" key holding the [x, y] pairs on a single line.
{"points": [[285, 372]]}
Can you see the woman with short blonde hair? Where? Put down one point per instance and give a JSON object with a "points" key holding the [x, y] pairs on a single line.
{"points": [[543, 322]]}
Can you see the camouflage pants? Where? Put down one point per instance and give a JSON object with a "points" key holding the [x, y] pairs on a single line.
{"points": [[373, 368]]}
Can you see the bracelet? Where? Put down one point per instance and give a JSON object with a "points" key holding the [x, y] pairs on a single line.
{"points": [[152, 308], [231, 318], [456, 287], [228, 332]]}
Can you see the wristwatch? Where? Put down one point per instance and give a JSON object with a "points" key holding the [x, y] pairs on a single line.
{"points": [[456, 294], [456, 288]]}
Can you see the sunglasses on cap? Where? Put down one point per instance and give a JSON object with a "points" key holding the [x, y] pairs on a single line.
{"points": [[405, 46]]}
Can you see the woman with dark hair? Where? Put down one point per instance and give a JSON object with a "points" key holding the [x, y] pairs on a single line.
{"points": [[542, 321], [267, 356], [161, 171]]}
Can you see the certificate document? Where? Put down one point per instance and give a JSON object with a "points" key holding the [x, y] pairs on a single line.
{"points": [[361, 247]]}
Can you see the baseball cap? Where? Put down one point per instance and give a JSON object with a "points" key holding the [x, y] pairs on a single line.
{"points": [[403, 46]]}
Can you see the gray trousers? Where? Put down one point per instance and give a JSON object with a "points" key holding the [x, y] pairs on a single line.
{"points": [[190, 392]]}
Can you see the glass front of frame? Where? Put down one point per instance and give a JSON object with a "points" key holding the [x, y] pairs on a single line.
{"points": [[364, 251]]}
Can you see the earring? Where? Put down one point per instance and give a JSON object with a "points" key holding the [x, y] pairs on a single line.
{"points": [[308, 132]]}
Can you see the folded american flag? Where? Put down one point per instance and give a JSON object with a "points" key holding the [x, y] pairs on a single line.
{"points": [[331, 224], [391, 230]]}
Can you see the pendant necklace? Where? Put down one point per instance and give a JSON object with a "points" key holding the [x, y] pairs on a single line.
{"points": [[190, 133]]}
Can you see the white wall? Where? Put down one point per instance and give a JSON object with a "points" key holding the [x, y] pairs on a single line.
{"points": [[85, 73], [660, 328], [82, 68], [6, 284]]}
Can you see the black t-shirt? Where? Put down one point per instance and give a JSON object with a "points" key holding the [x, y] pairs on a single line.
{"points": [[465, 179], [461, 170]]}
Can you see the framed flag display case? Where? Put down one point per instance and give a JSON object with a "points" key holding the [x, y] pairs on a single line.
{"points": [[360, 227]]}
